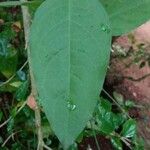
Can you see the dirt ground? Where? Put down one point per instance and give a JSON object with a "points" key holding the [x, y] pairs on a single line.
{"points": [[130, 75]]}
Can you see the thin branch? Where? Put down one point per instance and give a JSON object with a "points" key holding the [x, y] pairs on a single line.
{"points": [[96, 141], [123, 139], [39, 128], [4, 123], [23, 105], [119, 106], [126, 142], [46, 147], [9, 137], [27, 22], [89, 147]]}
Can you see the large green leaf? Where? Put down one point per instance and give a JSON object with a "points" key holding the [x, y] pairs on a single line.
{"points": [[70, 46], [125, 15]]}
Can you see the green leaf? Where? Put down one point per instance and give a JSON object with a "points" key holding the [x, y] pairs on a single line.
{"points": [[8, 58], [139, 144], [107, 120], [105, 105], [70, 46], [117, 120], [129, 104], [116, 142], [18, 3], [129, 129], [22, 91], [119, 98], [10, 126], [105, 123], [126, 15]]}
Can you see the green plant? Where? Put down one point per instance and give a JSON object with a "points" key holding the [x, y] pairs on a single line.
{"points": [[70, 43], [116, 126]]}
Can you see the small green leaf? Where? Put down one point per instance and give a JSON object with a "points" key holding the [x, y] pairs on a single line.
{"points": [[119, 98], [129, 129], [117, 120], [8, 58], [13, 112], [105, 123], [22, 91], [116, 142], [106, 128], [105, 105], [129, 104], [10, 125], [107, 120]]}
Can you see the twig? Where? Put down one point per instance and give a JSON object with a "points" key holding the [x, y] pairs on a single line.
{"points": [[123, 139], [9, 137], [38, 127], [23, 105], [96, 141], [120, 107], [46, 147], [27, 22], [4, 123], [89, 147], [126, 142]]}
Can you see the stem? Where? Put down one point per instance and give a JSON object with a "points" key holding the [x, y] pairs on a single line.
{"points": [[96, 141], [46, 147], [119, 106], [126, 142], [9, 137], [27, 22], [23, 105], [39, 128]]}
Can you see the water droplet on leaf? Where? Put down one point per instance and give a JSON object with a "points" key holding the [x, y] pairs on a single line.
{"points": [[71, 106], [105, 28]]}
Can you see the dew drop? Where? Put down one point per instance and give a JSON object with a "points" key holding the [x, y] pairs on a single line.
{"points": [[105, 28], [71, 106]]}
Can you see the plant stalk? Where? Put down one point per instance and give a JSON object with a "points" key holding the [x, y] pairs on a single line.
{"points": [[26, 23]]}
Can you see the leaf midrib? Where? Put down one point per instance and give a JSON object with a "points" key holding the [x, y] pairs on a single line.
{"points": [[69, 55], [69, 44]]}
